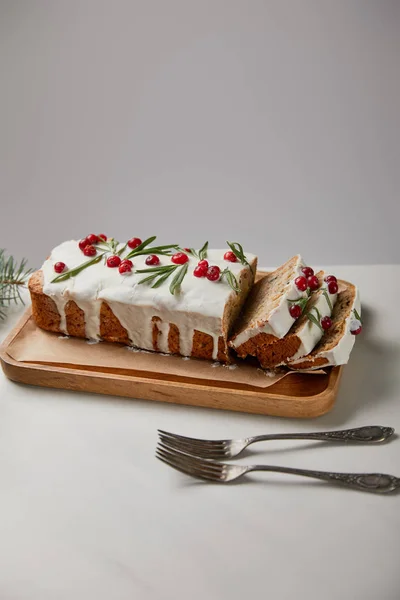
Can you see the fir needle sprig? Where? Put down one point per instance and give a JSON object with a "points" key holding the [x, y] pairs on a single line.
{"points": [[238, 251], [13, 276]]}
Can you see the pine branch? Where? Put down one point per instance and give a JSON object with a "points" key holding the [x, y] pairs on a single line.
{"points": [[13, 277]]}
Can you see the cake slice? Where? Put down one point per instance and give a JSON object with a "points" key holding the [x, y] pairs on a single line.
{"points": [[266, 317], [151, 297], [338, 341]]}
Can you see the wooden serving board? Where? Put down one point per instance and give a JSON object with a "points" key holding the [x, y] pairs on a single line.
{"points": [[298, 395]]}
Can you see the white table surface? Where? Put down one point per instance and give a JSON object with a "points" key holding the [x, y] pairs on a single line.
{"points": [[86, 511]]}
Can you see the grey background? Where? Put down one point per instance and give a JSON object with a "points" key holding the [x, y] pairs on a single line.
{"points": [[271, 123]]}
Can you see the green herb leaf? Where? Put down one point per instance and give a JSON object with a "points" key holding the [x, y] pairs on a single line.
{"points": [[203, 251], [302, 302], [194, 252], [141, 246], [358, 317], [72, 272], [231, 280], [317, 311], [314, 320], [325, 293], [177, 280], [161, 279], [237, 250]]}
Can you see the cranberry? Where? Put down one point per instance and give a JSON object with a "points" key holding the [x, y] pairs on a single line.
{"points": [[134, 243], [152, 259], [180, 258], [308, 272], [301, 283], [89, 251], [125, 266], [295, 311], [213, 273], [203, 263], [92, 238], [332, 287], [188, 250], [326, 323], [83, 243], [200, 271], [330, 278], [113, 261], [231, 256], [356, 331], [313, 283], [102, 236], [59, 267]]}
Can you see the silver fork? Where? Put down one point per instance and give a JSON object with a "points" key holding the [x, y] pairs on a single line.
{"points": [[210, 470], [224, 449]]}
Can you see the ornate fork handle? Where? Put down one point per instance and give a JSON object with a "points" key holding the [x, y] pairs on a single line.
{"points": [[370, 433], [373, 482]]}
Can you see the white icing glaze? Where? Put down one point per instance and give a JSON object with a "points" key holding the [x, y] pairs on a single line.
{"points": [[339, 354], [279, 321], [198, 306], [310, 333]]}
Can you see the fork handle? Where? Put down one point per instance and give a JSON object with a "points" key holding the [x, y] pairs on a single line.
{"points": [[367, 434], [373, 482]]}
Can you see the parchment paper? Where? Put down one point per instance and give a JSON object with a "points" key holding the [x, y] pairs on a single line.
{"points": [[34, 345]]}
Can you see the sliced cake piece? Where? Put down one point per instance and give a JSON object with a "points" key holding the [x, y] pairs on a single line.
{"points": [[306, 331], [338, 341], [266, 317]]}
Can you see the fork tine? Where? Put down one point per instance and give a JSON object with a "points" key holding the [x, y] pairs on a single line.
{"points": [[203, 448], [190, 440], [187, 467], [194, 461]]}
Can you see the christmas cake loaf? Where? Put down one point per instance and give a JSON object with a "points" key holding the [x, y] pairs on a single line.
{"points": [[336, 344], [160, 298], [269, 313]]}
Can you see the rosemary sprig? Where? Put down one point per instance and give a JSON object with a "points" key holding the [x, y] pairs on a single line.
{"points": [[144, 248], [300, 301], [202, 253], [357, 315], [238, 251], [325, 293], [72, 272], [314, 320], [161, 274], [177, 280], [231, 280]]}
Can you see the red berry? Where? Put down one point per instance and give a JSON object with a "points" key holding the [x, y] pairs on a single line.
{"points": [[203, 263], [213, 273], [113, 261], [102, 236], [152, 259], [313, 282], [332, 287], [301, 283], [125, 266], [230, 256], [356, 331], [134, 243], [188, 250], [92, 238], [126, 261], [295, 311], [330, 278], [90, 251], [326, 323], [308, 272], [83, 243], [200, 271], [59, 267], [180, 258]]}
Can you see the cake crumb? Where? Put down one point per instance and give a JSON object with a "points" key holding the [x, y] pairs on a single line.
{"points": [[91, 342], [215, 364], [63, 337]]}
